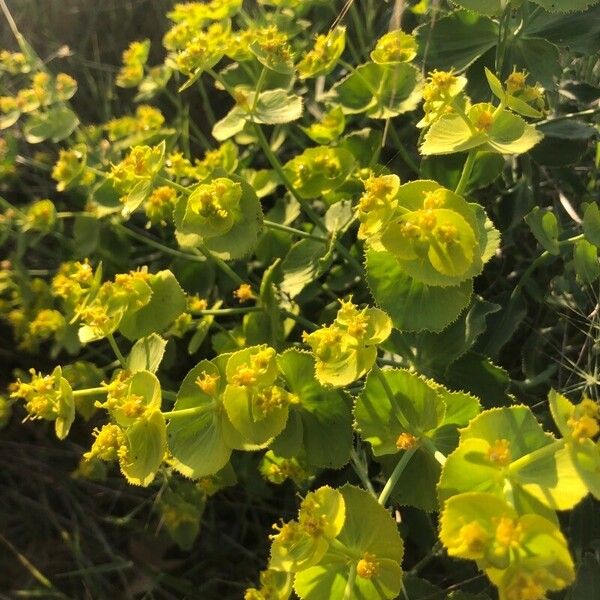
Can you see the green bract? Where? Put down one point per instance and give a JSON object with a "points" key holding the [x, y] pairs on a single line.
{"points": [[319, 170], [484, 126], [394, 47], [380, 91], [322, 58], [224, 215], [346, 350]]}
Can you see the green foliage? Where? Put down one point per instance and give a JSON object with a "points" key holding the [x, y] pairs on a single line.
{"points": [[315, 253]]}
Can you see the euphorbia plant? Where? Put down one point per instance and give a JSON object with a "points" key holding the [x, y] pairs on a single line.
{"points": [[297, 202]]}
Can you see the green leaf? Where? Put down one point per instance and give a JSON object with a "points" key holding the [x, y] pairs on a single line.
{"points": [[306, 261], [231, 124], [416, 408], [166, 304], [413, 306], [456, 339], [321, 420], [55, 125], [585, 258], [591, 224], [382, 91], [134, 199], [565, 6], [539, 57], [370, 535], [197, 441], [489, 8], [277, 107], [456, 41], [394, 47], [146, 446], [238, 241], [329, 128], [544, 226], [487, 459], [147, 354]]}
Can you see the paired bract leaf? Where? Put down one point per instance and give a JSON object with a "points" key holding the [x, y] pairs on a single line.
{"points": [[380, 91], [320, 420]]}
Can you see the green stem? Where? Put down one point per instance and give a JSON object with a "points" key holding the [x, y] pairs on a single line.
{"points": [[113, 344], [306, 207], [430, 447], [539, 454], [187, 412], [301, 320], [224, 312], [221, 264], [349, 589], [89, 392], [294, 231], [154, 244], [466, 172], [395, 476]]}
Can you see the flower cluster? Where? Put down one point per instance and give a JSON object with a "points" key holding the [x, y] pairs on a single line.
{"points": [[347, 349]]}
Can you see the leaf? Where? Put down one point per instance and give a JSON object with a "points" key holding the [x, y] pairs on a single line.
{"points": [[369, 532], [146, 447], [238, 241], [413, 306], [147, 354], [231, 124], [320, 422], [544, 226], [56, 124], [591, 224], [585, 258], [415, 408], [382, 91], [303, 264], [565, 141], [86, 235], [438, 350], [276, 107], [139, 194], [197, 441], [166, 304], [487, 459], [489, 8], [456, 41], [539, 57], [565, 6]]}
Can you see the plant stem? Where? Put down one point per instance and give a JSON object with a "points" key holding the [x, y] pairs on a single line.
{"points": [[430, 447], [301, 320], [113, 344], [221, 264], [395, 476], [466, 172], [539, 454], [89, 392], [349, 589], [223, 312], [186, 412], [294, 231], [306, 207]]}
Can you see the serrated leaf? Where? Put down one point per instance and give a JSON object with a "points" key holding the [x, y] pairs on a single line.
{"points": [[320, 422], [197, 441], [382, 91], [166, 304], [413, 306], [415, 408], [277, 107], [303, 264], [146, 447], [147, 354], [565, 6], [370, 532]]}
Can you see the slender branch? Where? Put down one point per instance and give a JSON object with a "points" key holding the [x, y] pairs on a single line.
{"points": [[187, 412], [113, 344], [466, 172], [395, 476], [89, 392]]}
